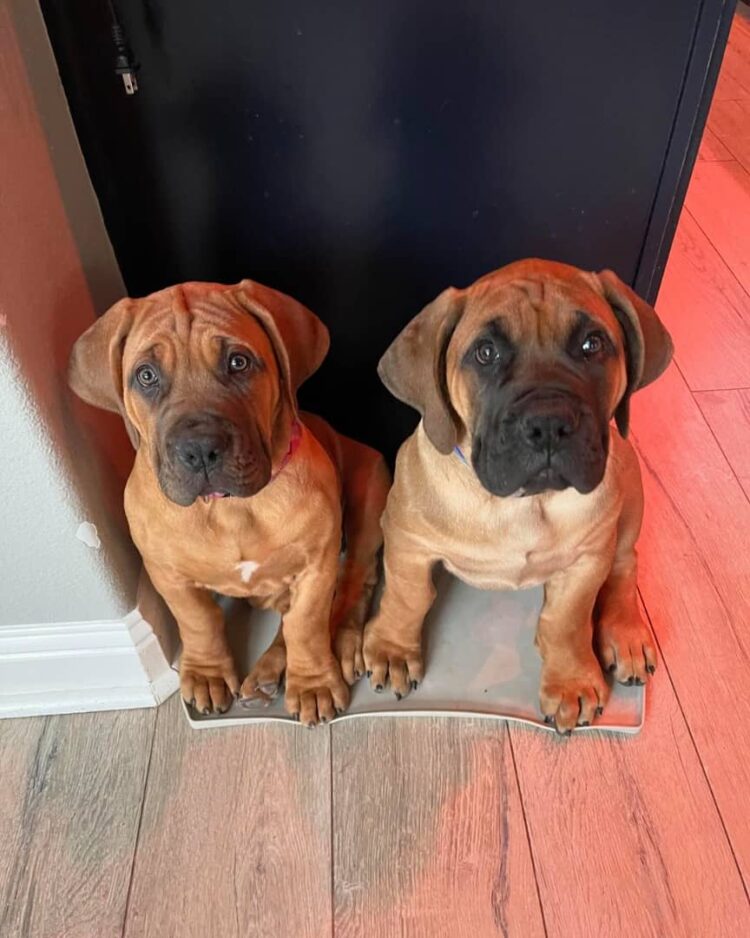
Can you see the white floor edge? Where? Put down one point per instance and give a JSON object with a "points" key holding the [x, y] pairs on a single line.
{"points": [[77, 667]]}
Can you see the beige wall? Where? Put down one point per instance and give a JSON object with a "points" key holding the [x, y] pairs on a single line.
{"points": [[63, 464]]}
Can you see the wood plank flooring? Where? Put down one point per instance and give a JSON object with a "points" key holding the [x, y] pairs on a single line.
{"points": [[132, 825], [609, 824], [728, 415], [70, 807], [236, 833], [429, 832]]}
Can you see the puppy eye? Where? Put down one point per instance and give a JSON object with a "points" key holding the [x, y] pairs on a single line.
{"points": [[238, 362], [146, 376], [486, 353], [592, 344]]}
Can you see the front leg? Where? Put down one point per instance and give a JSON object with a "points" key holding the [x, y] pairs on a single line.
{"points": [[315, 689], [208, 679], [265, 680], [573, 689], [623, 641], [393, 638]]}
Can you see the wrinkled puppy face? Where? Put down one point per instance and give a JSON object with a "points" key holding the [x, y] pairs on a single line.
{"points": [[201, 388], [205, 377], [526, 367], [535, 368]]}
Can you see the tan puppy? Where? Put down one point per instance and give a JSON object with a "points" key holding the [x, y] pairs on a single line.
{"points": [[521, 373], [231, 492]]}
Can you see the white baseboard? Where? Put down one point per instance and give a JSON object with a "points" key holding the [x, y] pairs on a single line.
{"points": [[72, 667]]}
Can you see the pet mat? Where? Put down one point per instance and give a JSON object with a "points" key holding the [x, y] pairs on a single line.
{"points": [[480, 661]]}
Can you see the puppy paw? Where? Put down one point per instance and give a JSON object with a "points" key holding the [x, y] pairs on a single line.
{"points": [[265, 680], [572, 696], [347, 645], [208, 687], [317, 696], [626, 648], [386, 659]]}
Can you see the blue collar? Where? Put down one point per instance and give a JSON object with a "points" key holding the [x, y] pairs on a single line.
{"points": [[457, 451]]}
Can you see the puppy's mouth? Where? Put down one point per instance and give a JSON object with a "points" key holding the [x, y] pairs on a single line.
{"points": [[547, 479], [204, 457], [507, 464], [181, 492], [207, 488], [212, 496], [224, 487]]}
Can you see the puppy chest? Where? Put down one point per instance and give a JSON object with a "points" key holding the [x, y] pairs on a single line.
{"points": [[507, 569], [513, 556], [262, 575], [226, 572]]}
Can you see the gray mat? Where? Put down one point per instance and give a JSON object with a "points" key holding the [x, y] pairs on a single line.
{"points": [[480, 661]]}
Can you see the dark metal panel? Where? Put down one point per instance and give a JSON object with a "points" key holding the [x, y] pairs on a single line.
{"points": [[364, 156], [711, 32]]}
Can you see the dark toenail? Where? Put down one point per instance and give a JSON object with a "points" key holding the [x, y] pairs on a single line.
{"points": [[324, 719], [585, 723], [548, 719], [398, 696], [612, 668], [378, 688], [339, 711], [568, 733], [414, 684], [650, 668], [368, 673], [639, 682], [357, 675], [630, 681], [599, 711]]}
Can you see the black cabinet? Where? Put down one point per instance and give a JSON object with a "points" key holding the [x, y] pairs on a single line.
{"points": [[362, 156]]}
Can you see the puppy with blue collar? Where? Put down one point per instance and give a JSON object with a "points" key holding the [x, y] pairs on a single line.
{"points": [[520, 473]]}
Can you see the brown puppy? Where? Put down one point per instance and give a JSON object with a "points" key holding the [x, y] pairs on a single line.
{"points": [[515, 477], [232, 492]]}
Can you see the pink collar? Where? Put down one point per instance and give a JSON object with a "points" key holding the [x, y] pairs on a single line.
{"points": [[294, 441]]}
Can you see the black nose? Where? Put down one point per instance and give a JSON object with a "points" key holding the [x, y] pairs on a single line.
{"points": [[201, 452], [546, 430]]}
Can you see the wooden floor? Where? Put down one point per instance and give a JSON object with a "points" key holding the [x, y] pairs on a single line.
{"points": [[130, 824]]}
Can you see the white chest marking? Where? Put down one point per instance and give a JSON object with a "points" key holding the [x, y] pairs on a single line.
{"points": [[247, 568]]}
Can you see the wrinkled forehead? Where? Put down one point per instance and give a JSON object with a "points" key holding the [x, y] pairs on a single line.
{"points": [[536, 310], [193, 322]]}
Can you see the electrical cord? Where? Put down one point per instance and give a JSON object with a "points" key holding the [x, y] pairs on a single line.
{"points": [[126, 65]]}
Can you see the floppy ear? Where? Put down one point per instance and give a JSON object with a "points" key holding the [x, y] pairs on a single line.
{"points": [[413, 367], [648, 345], [299, 338], [95, 366]]}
